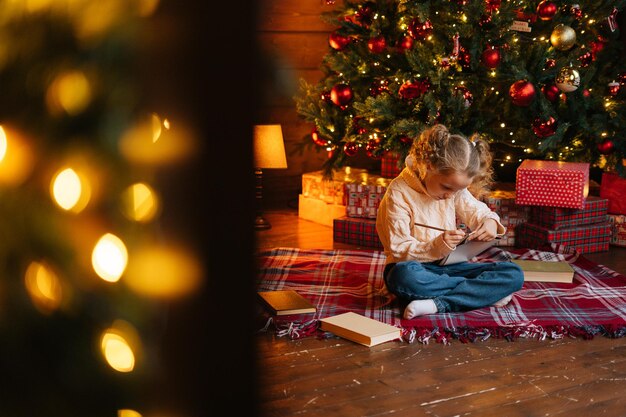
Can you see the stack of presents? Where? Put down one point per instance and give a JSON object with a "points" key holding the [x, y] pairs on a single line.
{"points": [[550, 203]]}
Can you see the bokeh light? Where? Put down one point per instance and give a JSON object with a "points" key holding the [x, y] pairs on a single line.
{"points": [[70, 191], [117, 352], [127, 413], [166, 272], [43, 287], [17, 159], [109, 258], [70, 92], [140, 202]]}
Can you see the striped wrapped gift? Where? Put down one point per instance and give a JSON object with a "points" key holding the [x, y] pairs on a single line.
{"points": [[585, 239], [594, 211], [356, 231]]}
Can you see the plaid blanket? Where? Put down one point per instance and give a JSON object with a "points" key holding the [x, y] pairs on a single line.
{"points": [[337, 281]]}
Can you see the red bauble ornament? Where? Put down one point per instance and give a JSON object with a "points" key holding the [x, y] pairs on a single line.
{"points": [[606, 147], [377, 44], [406, 43], [317, 139], [614, 88], [544, 128], [522, 93], [413, 89], [550, 63], [576, 12], [350, 148], [337, 41], [546, 10], [373, 149], [491, 57], [341, 94], [420, 30], [551, 91]]}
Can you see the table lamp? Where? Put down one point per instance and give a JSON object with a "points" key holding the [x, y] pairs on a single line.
{"points": [[269, 153]]}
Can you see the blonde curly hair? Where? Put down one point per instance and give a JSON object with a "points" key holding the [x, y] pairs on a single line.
{"points": [[450, 153]]}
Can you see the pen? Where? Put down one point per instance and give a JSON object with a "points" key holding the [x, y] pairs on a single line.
{"points": [[430, 227]]}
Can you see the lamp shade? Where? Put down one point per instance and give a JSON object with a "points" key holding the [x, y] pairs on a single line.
{"points": [[269, 149]]}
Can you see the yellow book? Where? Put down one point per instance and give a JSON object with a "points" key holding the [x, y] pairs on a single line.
{"points": [[545, 271], [284, 302], [360, 329]]}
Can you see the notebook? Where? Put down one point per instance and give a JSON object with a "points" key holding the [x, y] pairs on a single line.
{"points": [[467, 250], [284, 302], [544, 271], [360, 329]]}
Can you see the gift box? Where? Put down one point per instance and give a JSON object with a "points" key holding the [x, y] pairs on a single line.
{"points": [[356, 231], [362, 200], [510, 213], [618, 229], [390, 166], [586, 239], [319, 211], [331, 190], [613, 188], [594, 211], [551, 183]]}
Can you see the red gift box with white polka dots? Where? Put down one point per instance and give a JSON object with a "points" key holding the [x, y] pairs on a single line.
{"points": [[552, 183]]}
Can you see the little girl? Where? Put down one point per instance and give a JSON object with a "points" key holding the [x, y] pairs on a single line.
{"points": [[433, 190]]}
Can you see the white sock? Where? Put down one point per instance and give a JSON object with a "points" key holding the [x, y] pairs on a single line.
{"points": [[419, 308], [504, 301]]}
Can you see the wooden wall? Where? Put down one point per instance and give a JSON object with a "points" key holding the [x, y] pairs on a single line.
{"points": [[292, 40]]}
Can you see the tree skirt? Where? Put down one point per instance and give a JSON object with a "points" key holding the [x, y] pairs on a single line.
{"points": [[338, 281]]}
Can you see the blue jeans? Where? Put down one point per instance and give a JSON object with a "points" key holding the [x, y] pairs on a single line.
{"points": [[459, 287]]}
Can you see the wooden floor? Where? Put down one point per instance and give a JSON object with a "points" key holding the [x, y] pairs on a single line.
{"points": [[525, 378]]}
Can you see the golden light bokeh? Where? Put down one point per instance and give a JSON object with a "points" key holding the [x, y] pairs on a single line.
{"points": [[3, 143], [43, 287], [70, 92], [70, 191], [140, 202], [163, 272], [109, 258], [154, 142], [18, 157], [128, 413], [117, 352]]}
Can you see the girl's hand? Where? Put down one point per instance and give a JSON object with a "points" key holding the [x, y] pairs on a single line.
{"points": [[486, 231], [453, 237]]}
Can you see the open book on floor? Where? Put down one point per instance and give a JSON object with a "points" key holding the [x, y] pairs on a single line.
{"points": [[545, 271], [360, 329], [285, 302]]}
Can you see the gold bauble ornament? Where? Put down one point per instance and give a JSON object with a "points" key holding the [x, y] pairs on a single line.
{"points": [[563, 37], [567, 80]]}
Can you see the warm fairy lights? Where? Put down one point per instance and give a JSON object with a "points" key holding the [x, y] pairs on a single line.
{"points": [[117, 350], [109, 258], [140, 202], [43, 286], [70, 191]]}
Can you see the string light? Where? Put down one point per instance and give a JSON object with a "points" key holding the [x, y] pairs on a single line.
{"points": [[109, 258]]}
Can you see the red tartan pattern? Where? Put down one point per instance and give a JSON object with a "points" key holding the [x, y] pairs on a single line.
{"points": [[585, 239], [595, 211], [338, 281], [550, 183], [356, 231], [390, 165]]}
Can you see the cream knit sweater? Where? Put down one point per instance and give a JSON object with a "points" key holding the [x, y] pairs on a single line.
{"points": [[406, 202]]}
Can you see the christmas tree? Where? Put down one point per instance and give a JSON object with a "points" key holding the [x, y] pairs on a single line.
{"points": [[538, 79]]}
